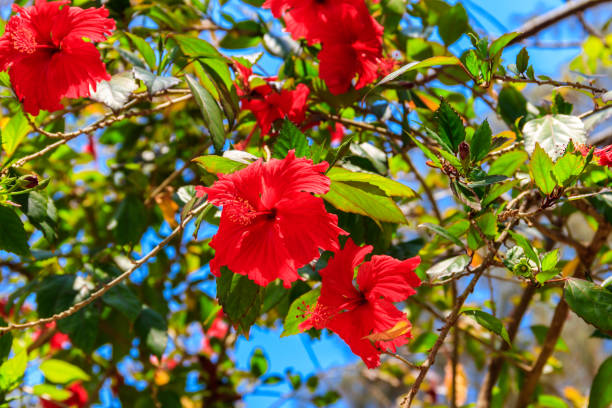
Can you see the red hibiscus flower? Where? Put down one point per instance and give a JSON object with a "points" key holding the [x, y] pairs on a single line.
{"points": [[57, 341], [310, 18], [268, 106], [78, 398], [243, 74], [604, 155], [337, 133], [47, 57], [352, 47], [271, 223], [218, 329], [364, 317], [387, 66]]}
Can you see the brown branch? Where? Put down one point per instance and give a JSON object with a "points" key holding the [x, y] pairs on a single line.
{"points": [[451, 320], [551, 82], [554, 331], [558, 321], [106, 121], [108, 286], [539, 23], [496, 363]]}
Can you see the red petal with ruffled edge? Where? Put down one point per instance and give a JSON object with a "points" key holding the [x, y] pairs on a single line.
{"points": [[270, 223], [388, 278]]}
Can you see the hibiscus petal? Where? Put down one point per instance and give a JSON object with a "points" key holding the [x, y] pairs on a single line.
{"points": [[34, 90], [306, 226], [283, 178], [337, 288], [260, 254], [389, 278], [385, 317], [76, 69], [353, 327]]}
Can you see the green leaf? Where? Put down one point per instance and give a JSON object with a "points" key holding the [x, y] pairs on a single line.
{"points": [[298, 312], [450, 125], [442, 232], [497, 190], [428, 153], [391, 187], [62, 372], [486, 181], [13, 237], [601, 392], [151, 327], [14, 132], [124, 300], [551, 401], [488, 224], [429, 62], [259, 363], [499, 44], [591, 302], [364, 199], [41, 213], [290, 138], [541, 167], [211, 113], [12, 371], [553, 133], [539, 332], [423, 343], [195, 47], [522, 60], [219, 164], [512, 105], [524, 243], [568, 168], [453, 24], [489, 322], [448, 267], [144, 49], [51, 392], [55, 294], [82, 327], [508, 163], [549, 260], [480, 145], [209, 310], [6, 341], [129, 221], [153, 82], [241, 299], [560, 106]]}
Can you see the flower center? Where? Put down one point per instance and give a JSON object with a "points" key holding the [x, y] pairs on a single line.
{"points": [[239, 211], [22, 37], [242, 212]]}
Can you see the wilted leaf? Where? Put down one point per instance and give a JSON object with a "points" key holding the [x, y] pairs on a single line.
{"points": [[553, 133], [402, 327], [448, 267], [116, 92]]}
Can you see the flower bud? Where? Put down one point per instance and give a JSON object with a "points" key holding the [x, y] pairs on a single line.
{"points": [[28, 182], [464, 151]]}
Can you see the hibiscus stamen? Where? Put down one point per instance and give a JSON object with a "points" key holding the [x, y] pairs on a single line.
{"points": [[317, 314], [239, 211], [22, 37]]}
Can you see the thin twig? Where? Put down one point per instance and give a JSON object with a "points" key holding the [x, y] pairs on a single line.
{"points": [[551, 82], [539, 23], [108, 286]]}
